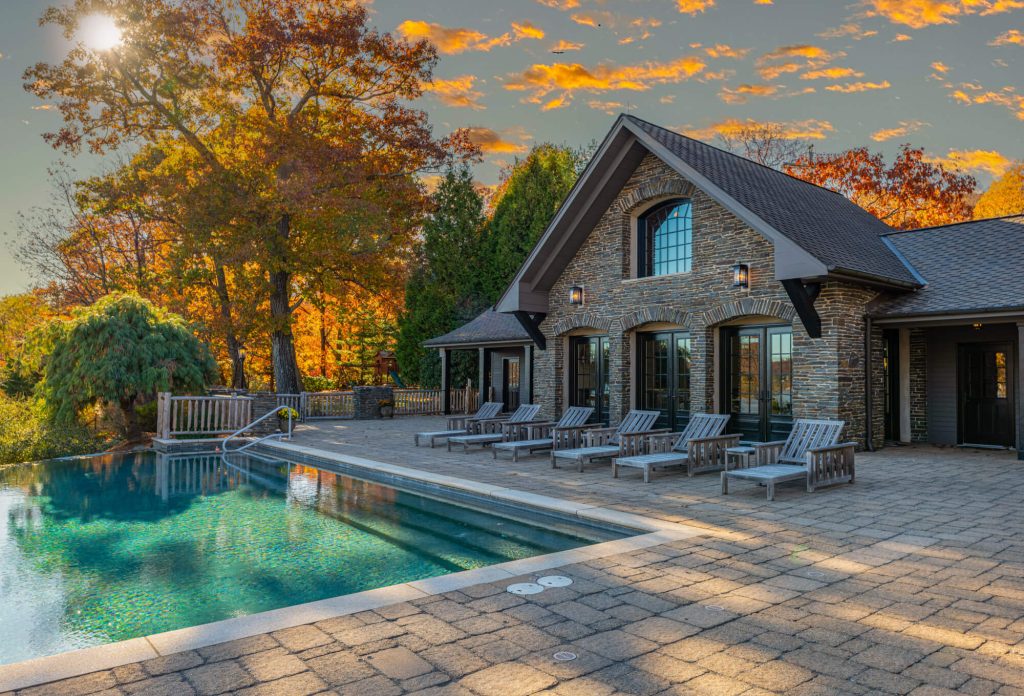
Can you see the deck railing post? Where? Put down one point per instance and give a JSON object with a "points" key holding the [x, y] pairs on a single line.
{"points": [[163, 415]]}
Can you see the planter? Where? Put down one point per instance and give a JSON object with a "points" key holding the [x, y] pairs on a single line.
{"points": [[387, 411]]}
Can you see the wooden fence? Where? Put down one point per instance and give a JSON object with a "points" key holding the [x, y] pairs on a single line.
{"points": [[201, 415], [321, 405]]}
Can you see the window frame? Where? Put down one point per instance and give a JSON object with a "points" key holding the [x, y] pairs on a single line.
{"points": [[645, 248]]}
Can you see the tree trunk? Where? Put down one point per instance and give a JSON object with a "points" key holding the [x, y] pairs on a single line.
{"points": [[238, 380], [286, 367], [323, 343], [132, 430]]}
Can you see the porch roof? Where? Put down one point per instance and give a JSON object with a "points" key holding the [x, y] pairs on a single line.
{"points": [[968, 267], [488, 328]]}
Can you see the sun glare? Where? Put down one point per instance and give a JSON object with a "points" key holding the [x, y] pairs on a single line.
{"points": [[99, 32]]}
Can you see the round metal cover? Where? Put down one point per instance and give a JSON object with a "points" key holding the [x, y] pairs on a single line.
{"points": [[525, 588], [713, 607], [564, 656], [554, 581], [815, 573]]}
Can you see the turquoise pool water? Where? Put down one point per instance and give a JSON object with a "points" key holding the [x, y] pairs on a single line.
{"points": [[105, 548]]}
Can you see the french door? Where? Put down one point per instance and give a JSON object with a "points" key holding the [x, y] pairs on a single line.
{"points": [[664, 376], [588, 375], [758, 387], [986, 394], [510, 383]]}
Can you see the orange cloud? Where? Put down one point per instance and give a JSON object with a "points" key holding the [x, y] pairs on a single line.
{"points": [[859, 87], [457, 92], [1013, 36], [693, 7], [560, 4], [988, 161], [451, 40], [902, 37], [540, 80], [764, 2], [527, 30], [852, 30], [563, 46], [726, 51], [796, 51], [794, 58], [811, 129], [770, 72], [940, 67], [743, 92], [831, 74], [491, 141], [609, 107], [1007, 97], [1000, 6], [591, 20], [918, 14], [903, 129]]}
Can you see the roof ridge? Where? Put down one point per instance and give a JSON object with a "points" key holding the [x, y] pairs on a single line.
{"points": [[954, 224], [733, 154]]}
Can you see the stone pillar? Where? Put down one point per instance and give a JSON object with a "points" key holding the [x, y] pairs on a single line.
{"points": [[619, 360], [918, 385], [526, 375], [367, 401], [1020, 390], [262, 404], [446, 381]]}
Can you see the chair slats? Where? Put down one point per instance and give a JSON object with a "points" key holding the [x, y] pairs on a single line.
{"points": [[701, 426], [809, 434], [524, 414], [574, 416]]}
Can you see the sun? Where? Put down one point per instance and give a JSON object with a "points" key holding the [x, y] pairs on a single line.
{"points": [[99, 32]]}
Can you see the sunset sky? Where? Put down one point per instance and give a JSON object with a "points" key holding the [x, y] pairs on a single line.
{"points": [[942, 74]]}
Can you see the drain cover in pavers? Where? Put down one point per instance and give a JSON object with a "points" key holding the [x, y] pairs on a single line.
{"points": [[564, 656], [554, 581], [525, 588]]}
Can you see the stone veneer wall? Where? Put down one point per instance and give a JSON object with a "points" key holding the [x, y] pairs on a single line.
{"points": [[918, 385], [828, 379]]}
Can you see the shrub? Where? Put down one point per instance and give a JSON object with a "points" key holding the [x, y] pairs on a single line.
{"points": [[316, 383], [26, 434]]}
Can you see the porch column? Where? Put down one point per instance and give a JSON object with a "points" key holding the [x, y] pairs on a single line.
{"points": [[1020, 390], [446, 381], [526, 374], [482, 374]]}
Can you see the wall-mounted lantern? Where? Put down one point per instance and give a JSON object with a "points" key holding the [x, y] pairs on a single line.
{"points": [[576, 295], [741, 276]]}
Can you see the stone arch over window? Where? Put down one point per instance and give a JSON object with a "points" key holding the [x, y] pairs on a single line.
{"points": [[651, 192], [649, 315], [746, 307], [581, 320]]}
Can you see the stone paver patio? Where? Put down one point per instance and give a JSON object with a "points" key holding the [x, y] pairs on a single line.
{"points": [[909, 581]]}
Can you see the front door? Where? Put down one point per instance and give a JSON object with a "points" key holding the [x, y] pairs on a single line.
{"points": [[664, 377], [986, 396], [588, 375], [758, 389], [510, 383]]}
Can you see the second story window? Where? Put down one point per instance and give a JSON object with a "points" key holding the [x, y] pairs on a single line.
{"points": [[665, 239]]}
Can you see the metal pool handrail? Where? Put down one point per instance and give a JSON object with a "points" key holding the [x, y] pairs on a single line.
{"points": [[282, 436]]}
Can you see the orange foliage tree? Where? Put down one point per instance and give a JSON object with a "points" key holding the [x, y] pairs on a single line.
{"points": [[909, 193]]}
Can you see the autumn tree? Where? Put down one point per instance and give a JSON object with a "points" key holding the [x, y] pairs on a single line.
{"points": [[765, 143], [295, 110], [909, 193], [1004, 197]]}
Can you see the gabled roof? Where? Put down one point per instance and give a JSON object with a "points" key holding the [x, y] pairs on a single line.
{"points": [[970, 267], [815, 232], [488, 328]]}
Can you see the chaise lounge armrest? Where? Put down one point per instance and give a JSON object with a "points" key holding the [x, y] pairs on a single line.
{"points": [[570, 436], [634, 443], [661, 442], [598, 437], [767, 452], [539, 429], [831, 464], [518, 431]]}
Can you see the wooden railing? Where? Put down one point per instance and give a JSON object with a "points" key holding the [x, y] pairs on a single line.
{"points": [[201, 415], [321, 405], [292, 401]]}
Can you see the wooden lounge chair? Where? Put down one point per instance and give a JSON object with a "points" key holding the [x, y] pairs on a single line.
{"points": [[810, 453], [511, 428], [700, 447], [462, 425], [566, 433], [624, 440]]}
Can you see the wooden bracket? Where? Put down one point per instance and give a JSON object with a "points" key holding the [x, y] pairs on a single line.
{"points": [[803, 296], [531, 323]]}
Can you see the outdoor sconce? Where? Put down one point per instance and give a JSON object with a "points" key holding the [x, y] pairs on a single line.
{"points": [[576, 295], [741, 276]]}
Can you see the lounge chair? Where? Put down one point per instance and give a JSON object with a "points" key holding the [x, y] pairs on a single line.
{"points": [[700, 447], [566, 433], [810, 453], [511, 428], [462, 425], [603, 443]]}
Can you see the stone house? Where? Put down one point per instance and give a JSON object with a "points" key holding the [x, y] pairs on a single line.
{"points": [[682, 278]]}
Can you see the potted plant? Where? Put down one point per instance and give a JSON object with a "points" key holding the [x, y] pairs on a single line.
{"points": [[387, 408], [283, 414]]}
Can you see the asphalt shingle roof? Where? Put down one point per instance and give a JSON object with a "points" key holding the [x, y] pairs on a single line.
{"points": [[968, 267], [488, 327], [836, 231]]}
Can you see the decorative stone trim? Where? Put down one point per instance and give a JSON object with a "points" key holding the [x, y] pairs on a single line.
{"points": [[748, 306], [652, 314], [580, 320], [650, 190]]}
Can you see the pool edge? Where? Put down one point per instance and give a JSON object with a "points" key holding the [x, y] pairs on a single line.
{"points": [[650, 532]]}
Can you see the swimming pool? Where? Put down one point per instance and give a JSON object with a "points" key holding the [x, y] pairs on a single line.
{"points": [[105, 548]]}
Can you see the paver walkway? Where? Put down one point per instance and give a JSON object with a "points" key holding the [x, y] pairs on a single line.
{"points": [[909, 581]]}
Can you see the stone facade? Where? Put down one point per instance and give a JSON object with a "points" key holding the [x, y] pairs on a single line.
{"points": [[367, 401], [828, 373], [918, 385]]}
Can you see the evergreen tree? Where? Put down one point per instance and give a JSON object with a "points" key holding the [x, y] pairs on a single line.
{"points": [[121, 351], [442, 291], [529, 196]]}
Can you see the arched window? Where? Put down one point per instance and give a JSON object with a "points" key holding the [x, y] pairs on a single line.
{"points": [[665, 239]]}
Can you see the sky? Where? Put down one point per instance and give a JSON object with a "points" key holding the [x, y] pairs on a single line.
{"points": [[945, 75]]}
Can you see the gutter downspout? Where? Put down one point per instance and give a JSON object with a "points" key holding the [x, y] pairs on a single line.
{"points": [[869, 435]]}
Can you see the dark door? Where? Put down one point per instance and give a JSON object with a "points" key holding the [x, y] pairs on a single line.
{"points": [[510, 383], [758, 369], [986, 396], [588, 376], [664, 377], [891, 374]]}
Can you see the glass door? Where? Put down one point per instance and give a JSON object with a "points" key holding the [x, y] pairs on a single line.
{"points": [[664, 377], [588, 375], [510, 383], [759, 381]]}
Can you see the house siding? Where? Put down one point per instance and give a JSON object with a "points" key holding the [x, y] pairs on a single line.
{"points": [[828, 373]]}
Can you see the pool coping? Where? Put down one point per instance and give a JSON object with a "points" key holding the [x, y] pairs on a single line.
{"points": [[74, 663]]}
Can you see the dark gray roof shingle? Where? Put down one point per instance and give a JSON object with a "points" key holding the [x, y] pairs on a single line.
{"points": [[488, 327], [968, 267], [836, 231]]}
